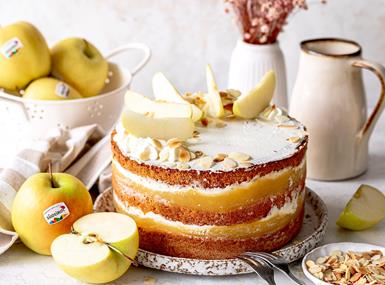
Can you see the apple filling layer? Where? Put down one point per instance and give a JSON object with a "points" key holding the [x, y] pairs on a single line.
{"points": [[277, 219], [215, 200]]}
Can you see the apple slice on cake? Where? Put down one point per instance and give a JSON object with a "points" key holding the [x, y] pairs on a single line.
{"points": [[214, 102], [249, 105], [165, 91], [143, 117], [141, 104], [94, 252]]}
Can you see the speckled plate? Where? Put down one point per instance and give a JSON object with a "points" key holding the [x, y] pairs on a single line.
{"points": [[311, 234]]}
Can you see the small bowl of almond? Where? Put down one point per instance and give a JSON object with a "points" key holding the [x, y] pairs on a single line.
{"points": [[345, 263]]}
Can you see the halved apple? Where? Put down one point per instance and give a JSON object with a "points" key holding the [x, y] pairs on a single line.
{"points": [[214, 102], [365, 209], [158, 128], [249, 105], [141, 104], [164, 90], [87, 256]]}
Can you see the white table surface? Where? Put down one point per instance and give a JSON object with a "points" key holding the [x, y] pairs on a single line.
{"points": [[21, 266]]}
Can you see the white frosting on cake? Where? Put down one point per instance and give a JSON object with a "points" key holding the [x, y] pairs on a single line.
{"points": [[272, 136]]}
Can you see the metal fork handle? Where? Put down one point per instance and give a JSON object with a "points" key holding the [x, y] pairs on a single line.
{"points": [[257, 268], [282, 267]]}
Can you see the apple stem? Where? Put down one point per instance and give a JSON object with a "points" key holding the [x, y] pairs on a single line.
{"points": [[53, 185]]}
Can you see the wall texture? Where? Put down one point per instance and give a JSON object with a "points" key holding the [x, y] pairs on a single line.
{"points": [[186, 34]]}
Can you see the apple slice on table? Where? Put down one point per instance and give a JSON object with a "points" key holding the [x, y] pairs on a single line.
{"points": [[24, 55], [214, 101], [158, 128], [249, 105], [141, 104], [365, 209], [80, 64], [49, 88], [100, 248], [165, 91]]}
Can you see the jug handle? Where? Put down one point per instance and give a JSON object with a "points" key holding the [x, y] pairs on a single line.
{"points": [[379, 71]]}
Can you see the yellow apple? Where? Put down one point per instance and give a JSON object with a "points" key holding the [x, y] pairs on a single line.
{"points": [[24, 55], [85, 254], [143, 105], [43, 208], [365, 209], [249, 105], [214, 102], [48, 88], [80, 64], [141, 125], [165, 91]]}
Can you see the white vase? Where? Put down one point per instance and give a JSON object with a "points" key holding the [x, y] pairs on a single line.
{"points": [[249, 62]]}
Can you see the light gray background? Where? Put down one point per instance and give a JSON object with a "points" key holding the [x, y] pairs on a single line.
{"points": [[184, 35]]}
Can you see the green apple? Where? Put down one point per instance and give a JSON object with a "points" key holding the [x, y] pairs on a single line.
{"points": [[48, 88], [141, 104], [365, 209], [165, 91], [141, 125], [86, 255], [46, 207], [24, 55], [214, 102], [249, 105], [80, 64]]}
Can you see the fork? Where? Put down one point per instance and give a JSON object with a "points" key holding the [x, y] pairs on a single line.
{"points": [[262, 268], [276, 262]]}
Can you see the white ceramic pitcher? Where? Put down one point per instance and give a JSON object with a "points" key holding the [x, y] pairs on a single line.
{"points": [[329, 99]]}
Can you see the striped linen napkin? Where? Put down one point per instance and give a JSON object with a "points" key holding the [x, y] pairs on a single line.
{"points": [[61, 148]]}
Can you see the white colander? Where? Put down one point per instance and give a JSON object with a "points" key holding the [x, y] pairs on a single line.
{"points": [[21, 118]]}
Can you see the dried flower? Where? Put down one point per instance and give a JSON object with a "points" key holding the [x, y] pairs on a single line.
{"points": [[261, 21]]}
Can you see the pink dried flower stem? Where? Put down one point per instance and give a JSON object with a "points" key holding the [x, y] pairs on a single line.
{"points": [[261, 21]]}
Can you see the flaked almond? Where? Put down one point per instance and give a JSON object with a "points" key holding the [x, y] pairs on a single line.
{"points": [[182, 165], [156, 143], [239, 156], [192, 155], [315, 269], [144, 154], [355, 277], [294, 139], [198, 153], [229, 163], [245, 164], [219, 157], [287, 126], [164, 154], [195, 134], [174, 143], [149, 114], [183, 155], [310, 263], [205, 162]]}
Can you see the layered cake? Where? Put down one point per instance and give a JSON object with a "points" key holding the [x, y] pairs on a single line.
{"points": [[214, 184]]}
